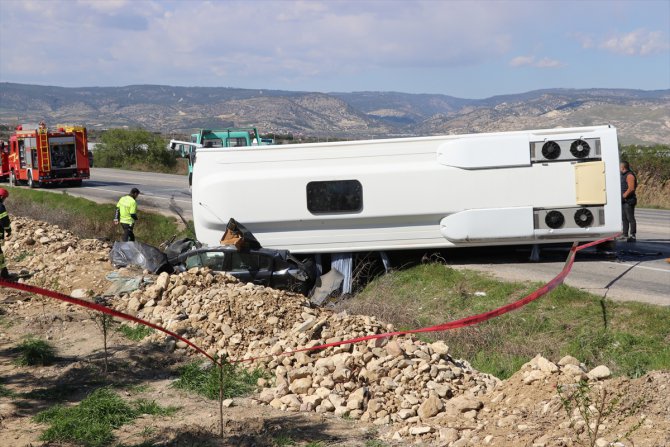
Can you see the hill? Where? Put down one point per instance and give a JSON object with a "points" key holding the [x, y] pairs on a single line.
{"points": [[641, 116]]}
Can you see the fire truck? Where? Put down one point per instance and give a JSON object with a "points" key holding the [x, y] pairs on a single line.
{"points": [[4, 161], [45, 156]]}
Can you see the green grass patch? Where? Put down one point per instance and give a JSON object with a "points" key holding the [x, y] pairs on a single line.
{"points": [[137, 388], [92, 421], [22, 255], [630, 338], [34, 351], [6, 392], [237, 381], [135, 333], [145, 406], [283, 440], [88, 219]]}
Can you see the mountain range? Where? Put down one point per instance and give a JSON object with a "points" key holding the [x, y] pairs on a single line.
{"points": [[642, 117]]}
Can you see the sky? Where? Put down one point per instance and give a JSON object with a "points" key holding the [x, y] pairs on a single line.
{"points": [[469, 49]]}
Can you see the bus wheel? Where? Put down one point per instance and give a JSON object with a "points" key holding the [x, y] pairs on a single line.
{"points": [[12, 178]]}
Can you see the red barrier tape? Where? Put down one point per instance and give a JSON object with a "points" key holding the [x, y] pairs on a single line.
{"points": [[99, 308], [463, 322]]}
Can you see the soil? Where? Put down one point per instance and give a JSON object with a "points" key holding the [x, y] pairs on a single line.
{"points": [[137, 370]]}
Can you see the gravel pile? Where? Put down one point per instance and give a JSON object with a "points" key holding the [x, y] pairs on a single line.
{"points": [[383, 381]]}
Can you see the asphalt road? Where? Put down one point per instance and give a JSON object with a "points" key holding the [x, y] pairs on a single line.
{"points": [[632, 272], [636, 272], [159, 192]]}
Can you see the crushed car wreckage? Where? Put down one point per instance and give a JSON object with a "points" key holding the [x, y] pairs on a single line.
{"points": [[239, 255]]}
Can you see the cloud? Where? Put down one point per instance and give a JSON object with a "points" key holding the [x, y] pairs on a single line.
{"points": [[637, 43], [640, 42], [531, 61], [215, 42]]}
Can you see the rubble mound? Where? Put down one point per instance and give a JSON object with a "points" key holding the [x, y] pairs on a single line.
{"points": [[416, 390], [383, 381], [55, 257]]}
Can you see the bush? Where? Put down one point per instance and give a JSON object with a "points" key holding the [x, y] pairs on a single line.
{"points": [[134, 149], [34, 351], [652, 167]]}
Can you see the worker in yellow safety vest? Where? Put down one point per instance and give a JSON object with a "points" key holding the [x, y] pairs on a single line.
{"points": [[4, 228], [126, 214]]}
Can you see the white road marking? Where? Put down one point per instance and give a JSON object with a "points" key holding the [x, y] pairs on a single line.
{"points": [[153, 197], [624, 264]]}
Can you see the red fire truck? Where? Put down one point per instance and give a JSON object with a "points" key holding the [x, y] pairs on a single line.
{"points": [[4, 161], [41, 156]]}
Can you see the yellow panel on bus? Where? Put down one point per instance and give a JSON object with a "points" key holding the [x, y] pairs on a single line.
{"points": [[590, 183]]}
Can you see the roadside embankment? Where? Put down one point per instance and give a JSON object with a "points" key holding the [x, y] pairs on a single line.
{"points": [[88, 219]]}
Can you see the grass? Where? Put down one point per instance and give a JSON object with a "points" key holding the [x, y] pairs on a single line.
{"points": [[34, 351], [135, 333], [22, 255], [205, 380], [92, 421], [630, 338], [88, 219], [6, 392], [5, 322], [283, 440]]}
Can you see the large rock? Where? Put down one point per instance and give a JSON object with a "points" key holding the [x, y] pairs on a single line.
{"points": [[568, 360], [546, 366], [430, 407], [599, 373], [301, 386], [162, 281], [79, 293], [440, 347], [464, 403]]}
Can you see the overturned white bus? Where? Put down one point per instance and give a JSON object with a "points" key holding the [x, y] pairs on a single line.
{"points": [[527, 187]]}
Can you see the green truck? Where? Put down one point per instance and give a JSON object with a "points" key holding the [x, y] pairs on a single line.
{"points": [[207, 138]]}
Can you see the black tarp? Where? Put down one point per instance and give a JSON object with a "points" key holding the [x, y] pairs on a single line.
{"points": [[124, 254]]}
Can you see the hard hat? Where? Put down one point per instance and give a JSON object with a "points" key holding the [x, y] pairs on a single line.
{"points": [[4, 193]]}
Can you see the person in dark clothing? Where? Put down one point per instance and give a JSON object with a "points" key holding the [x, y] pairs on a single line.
{"points": [[4, 228], [628, 201]]}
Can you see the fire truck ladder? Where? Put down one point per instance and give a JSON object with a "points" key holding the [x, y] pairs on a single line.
{"points": [[44, 149]]}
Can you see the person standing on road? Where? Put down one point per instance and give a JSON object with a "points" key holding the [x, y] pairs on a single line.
{"points": [[126, 214], [628, 201], [4, 228]]}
